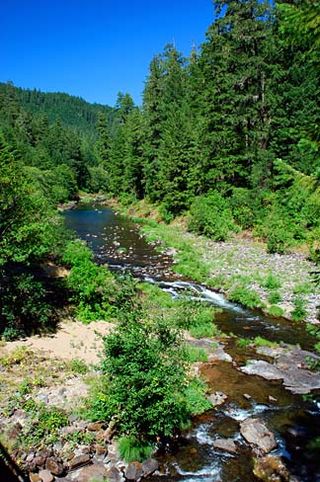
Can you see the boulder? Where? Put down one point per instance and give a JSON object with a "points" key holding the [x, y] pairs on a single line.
{"points": [[79, 461], [55, 466], [46, 476], [217, 398], [149, 466], [96, 472], [270, 468], [255, 432], [134, 471], [114, 474], [34, 477], [225, 444]]}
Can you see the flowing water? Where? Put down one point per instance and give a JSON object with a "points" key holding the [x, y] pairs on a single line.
{"points": [[115, 240]]}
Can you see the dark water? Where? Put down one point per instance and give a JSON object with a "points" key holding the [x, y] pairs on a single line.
{"points": [[116, 241]]}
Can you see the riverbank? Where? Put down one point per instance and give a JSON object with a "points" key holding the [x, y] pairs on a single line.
{"points": [[240, 268]]}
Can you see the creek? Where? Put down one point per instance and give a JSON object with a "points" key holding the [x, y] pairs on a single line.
{"points": [[294, 419]]}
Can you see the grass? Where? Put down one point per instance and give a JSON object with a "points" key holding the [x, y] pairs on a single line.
{"points": [[195, 354], [197, 403], [188, 262], [274, 297], [271, 282], [246, 297], [275, 311], [299, 312], [131, 449]]}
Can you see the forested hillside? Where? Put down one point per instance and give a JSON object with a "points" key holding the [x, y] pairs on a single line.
{"points": [[229, 135], [232, 132]]}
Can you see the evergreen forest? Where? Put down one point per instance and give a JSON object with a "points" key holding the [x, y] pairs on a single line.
{"points": [[226, 139]]}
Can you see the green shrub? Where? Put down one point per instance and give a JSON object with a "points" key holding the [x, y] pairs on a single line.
{"points": [[271, 282], [211, 216], [274, 297], [197, 403], [24, 305], [242, 202], [245, 296], [299, 312], [276, 311], [260, 341], [95, 291], [279, 230], [145, 379], [243, 342]]}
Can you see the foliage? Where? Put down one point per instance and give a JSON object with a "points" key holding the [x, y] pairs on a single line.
{"points": [[24, 304], [274, 297], [299, 312], [146, 379], [271, 282], [95, 291], [195, 354], [245, 296], [132, 449], [211, 216], [276, 311]]}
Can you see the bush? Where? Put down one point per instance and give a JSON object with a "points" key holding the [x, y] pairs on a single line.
{"points": [[24, 306], [271, 282], [299, 312], [95, 291], [146, 380], [211, 216], [241, 203], [274, 297], [245, 296]]}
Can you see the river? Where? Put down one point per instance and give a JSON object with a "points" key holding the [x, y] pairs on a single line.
{"points": [[294, 419]]}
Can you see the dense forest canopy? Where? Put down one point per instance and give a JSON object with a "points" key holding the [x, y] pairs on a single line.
{"points": [[229, 134]]}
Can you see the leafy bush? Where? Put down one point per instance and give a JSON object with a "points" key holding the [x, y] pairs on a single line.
{"points": [[24, 305], [95, 291], [146, 380], [197, 403], [299, 312], [271, 282], [245, 296], [211, 216], [242, 205], [194, 354], [274, 297]]}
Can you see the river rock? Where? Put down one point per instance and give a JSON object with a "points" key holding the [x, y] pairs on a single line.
{"points": [[94, 426], [46, 476], [225, 444], [55, 466], [149, 466], [96, 472], [217, 398], [255, 432], [34, 477], [79, 460], [114, 474], [271, 468], [134, 471]]}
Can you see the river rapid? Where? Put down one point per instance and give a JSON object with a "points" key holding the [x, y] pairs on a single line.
{"points": [[293, 418]]}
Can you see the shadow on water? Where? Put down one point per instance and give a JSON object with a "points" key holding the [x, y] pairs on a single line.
{"points": [[9, 471]]}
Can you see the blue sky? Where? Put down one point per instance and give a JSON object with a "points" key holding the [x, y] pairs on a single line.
{"points": [[94, 48]]}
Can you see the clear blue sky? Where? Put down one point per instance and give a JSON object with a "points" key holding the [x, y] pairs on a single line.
{"points": [[94, 48]]}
